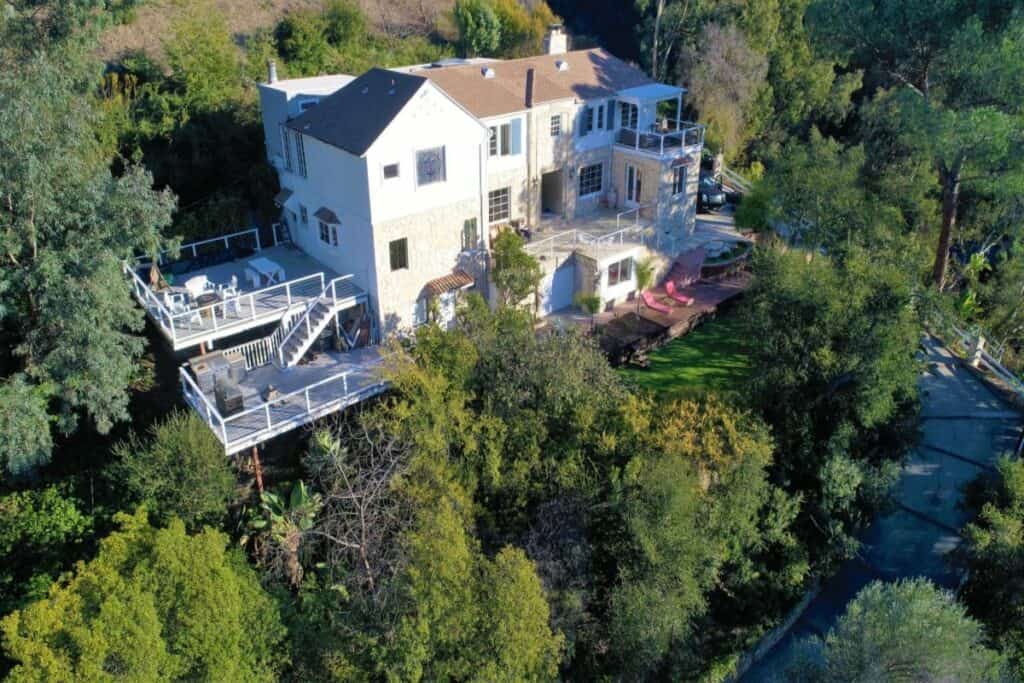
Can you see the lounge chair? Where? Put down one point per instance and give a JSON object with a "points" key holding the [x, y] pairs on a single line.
{"points": [[653, 304], [670, 289]]}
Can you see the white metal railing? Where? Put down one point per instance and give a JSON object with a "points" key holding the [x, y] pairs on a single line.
{"points": [[260, 352], [193, 247], [304, 323], [227, 314], [636, 215], [656, 140], [984, 358], [261, 420]]}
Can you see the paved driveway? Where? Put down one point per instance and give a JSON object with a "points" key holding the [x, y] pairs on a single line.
{"points": [[965, 428]]}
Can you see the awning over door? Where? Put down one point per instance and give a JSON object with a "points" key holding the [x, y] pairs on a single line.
{"points": [[326, 215], [282, 197], [458, 279]]}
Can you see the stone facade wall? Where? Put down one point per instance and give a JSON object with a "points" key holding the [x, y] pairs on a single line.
{"points": [[434, 248]]}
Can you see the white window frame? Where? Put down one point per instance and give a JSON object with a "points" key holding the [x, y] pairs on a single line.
{"points": [[286, 148], [500, 143], [586, 174], [629, 114], [329, 234], [556, 126], [419, 312], [300, 153], [617, 268], [587, 121], [678, 180], [493, 201]]}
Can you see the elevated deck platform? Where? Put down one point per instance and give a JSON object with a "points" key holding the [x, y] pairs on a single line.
{"points": [[223, 260], [328, 382]]}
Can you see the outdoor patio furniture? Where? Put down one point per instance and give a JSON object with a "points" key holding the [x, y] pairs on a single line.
{"points": [[271, 271], [197, 285], [204, 300], [253, 278], [653, 304], [670, 289]]}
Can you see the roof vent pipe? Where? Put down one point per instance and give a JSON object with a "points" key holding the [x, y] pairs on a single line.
{"points": [[529, 88], [271, 71], [487, 72]]}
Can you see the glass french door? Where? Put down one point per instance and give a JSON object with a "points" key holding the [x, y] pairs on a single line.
{"points": [[632, 185]]}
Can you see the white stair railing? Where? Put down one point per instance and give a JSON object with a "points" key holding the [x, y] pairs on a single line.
{"points": [[329, 295]]}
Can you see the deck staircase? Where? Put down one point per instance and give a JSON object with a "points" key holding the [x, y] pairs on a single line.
{"points": [[306, 328]]}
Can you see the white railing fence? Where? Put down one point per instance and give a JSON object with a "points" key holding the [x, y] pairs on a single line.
{"points": [[266, 419], [260, 352], [329, 293], [249, 237]]}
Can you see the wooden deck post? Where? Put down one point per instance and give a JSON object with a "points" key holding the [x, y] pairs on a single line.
{"points": [[257, 468]]}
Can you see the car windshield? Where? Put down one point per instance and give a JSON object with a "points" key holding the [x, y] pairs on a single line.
{"points": [[708, 182]]}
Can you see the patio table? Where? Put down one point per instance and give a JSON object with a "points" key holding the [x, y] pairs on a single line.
{"points": [[268, 269]]}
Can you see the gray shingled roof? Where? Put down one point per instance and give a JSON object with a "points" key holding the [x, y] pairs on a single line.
{"points": [[354, 117]]}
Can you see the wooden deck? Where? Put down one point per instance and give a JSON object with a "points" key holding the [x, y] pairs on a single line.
{"points": [[623, 335], [328, 382], [251, 309]]}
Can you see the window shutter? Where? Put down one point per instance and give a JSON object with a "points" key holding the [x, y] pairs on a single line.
{"points": [[516, 144]]}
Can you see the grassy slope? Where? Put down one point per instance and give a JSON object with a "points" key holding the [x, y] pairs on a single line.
{"points": [[154, 19], [711, 358]]}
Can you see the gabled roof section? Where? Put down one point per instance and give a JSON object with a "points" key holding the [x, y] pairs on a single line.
{"points": [[354, 117], [581, 74]]}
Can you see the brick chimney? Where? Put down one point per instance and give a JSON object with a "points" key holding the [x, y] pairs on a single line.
{"points": [[556, 41]]}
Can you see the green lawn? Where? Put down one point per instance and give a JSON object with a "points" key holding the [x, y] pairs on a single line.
{"points": [[711, 358]]}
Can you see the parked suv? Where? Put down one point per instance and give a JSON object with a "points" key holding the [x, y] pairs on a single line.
{"points": [[710, 194]]}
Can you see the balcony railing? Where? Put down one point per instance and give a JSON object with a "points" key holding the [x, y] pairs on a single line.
{"points": [[225, 317], [656, 140], [255, 425]]}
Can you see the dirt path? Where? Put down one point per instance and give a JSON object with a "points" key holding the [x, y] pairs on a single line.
{"points": [[965, 428]]}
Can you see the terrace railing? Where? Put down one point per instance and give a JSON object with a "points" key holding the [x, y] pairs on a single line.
{"points": [[228, 315], [249, 238], [658, 141], [281, 414]]}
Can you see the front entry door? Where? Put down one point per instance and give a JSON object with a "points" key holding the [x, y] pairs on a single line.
{"points": [[632, 185]]}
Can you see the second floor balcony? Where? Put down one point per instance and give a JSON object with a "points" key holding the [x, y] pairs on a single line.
{"points": [[668, 138]]}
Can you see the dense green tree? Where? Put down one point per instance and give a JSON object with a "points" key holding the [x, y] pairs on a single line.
{"points": [[935, 58], [694, 508], [993, 555], [516, 273], [817, 198], [39, 530], [479, 27], [65, 224], [904, 631], [837, 339], [155, 605], [178, 471]]}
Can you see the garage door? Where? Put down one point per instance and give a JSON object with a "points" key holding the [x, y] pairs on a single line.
{"points": [[556, 289]]}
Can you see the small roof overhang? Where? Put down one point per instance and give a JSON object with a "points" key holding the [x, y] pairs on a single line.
{"points": [[282, 197], [458, 279], [652, 91], [326, 215]]}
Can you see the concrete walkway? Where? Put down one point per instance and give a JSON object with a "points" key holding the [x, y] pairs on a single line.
{"points": [[964, 430]]}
